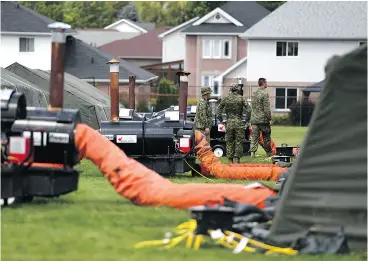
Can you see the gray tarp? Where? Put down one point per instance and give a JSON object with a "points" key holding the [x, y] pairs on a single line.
{"points": [[327, 186], [93, 104]]}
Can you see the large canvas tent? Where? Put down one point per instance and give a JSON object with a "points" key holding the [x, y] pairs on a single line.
{"points": [[327, 185], [93, 104]]}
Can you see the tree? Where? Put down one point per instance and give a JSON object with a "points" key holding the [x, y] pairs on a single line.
{"points": [[271, 5], [129, 12], [169, 94], [86, 14]]}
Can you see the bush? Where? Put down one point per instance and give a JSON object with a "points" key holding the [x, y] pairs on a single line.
{"points": [[192, 101], [142, 106], [281, 120], [167, 87], [301, 113]]}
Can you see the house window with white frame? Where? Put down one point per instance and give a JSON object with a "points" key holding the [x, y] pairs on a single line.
{"points": [[216, 49], [287, 48], [26, 45], [209, 81], [284, 97]]}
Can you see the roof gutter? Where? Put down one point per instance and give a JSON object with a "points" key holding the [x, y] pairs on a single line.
{"points": [[120, 80], [35, 33], [298, 38], [207, 33]]}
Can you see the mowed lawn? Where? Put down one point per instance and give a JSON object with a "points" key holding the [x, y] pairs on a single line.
{"points": [[94, 223]]}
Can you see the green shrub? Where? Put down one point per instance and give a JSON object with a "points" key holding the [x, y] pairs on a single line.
{"points": [[301, 113], [169, 97], [281, 120], [192, 101], [142, 106]]}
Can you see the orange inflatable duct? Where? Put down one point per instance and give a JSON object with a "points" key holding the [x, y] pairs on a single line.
{"points": [[234, 171], [143, 186], [261, 142]]}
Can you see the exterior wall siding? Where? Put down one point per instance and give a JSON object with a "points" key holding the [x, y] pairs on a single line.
{"points": [[39, 59]]}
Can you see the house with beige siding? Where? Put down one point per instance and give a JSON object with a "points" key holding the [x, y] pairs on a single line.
{"points": [[213, 45]]}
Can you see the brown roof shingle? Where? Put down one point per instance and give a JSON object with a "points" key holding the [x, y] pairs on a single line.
{"points": [[144, 45]]}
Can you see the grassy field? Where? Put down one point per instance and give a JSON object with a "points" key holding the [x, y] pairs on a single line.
{"points": [[95, 223]]}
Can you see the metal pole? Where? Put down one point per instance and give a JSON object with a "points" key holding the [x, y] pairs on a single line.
{"points": [[183, 92], [114, 89], [57, 64], [132, 91]]}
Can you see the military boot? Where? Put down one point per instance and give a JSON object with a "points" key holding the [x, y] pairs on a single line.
{"points": [[231, 160], [236, 160]]}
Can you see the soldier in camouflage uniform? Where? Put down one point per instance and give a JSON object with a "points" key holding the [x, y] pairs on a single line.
{"points": [[203, 118], [233, 106], [261, 118]]}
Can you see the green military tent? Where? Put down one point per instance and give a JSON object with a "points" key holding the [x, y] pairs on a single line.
{"points": [[93, 104], [327, 185]]}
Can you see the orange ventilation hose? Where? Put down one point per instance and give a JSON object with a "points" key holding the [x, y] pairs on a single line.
{"points": [[143, 186], [261, 142], [233, 171]]}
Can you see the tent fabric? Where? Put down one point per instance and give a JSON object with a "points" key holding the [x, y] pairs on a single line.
{"points": [[317, 87], [93, 104], [327, 185], [34, 96]]}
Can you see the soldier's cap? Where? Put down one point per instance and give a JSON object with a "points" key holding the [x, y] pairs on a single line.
{"points": [[206, 90]]}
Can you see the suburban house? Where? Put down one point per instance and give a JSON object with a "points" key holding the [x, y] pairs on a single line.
{"points": [[25, 37], [99, 36], [27, 41], [127, 26], [89, 64], [291, 46], [213, 45], [172, 40], [142, 50]]}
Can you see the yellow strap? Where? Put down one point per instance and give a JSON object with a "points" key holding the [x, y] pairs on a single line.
{"points": [[196, 171]]}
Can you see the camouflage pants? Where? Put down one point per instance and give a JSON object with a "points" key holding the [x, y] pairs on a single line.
{"points": [[234, 138], [207, 136], [266, 134]]}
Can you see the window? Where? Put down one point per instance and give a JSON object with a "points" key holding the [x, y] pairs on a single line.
{"points": [[26, 45], [287, 48], [227, 48], [362, 43], [209, 80], [216, 49], [284, 97]]}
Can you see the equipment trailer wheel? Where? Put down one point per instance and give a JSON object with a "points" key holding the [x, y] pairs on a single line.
{"points": [[219, 152]]}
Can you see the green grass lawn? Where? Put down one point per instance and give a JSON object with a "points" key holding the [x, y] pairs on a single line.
{"points": [[94, 223]]}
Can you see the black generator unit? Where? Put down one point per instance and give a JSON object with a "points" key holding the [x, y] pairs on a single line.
{"points": [[285, 153], [38, 150], [163, 143]]}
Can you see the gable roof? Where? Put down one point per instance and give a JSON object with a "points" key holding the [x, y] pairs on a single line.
{"points": [[15, 18], [86, 62], [144, 45], [142, 27], [180, 26], [313, 20], [242, 14], [146, 26], [97, 37], [231, 68]]}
